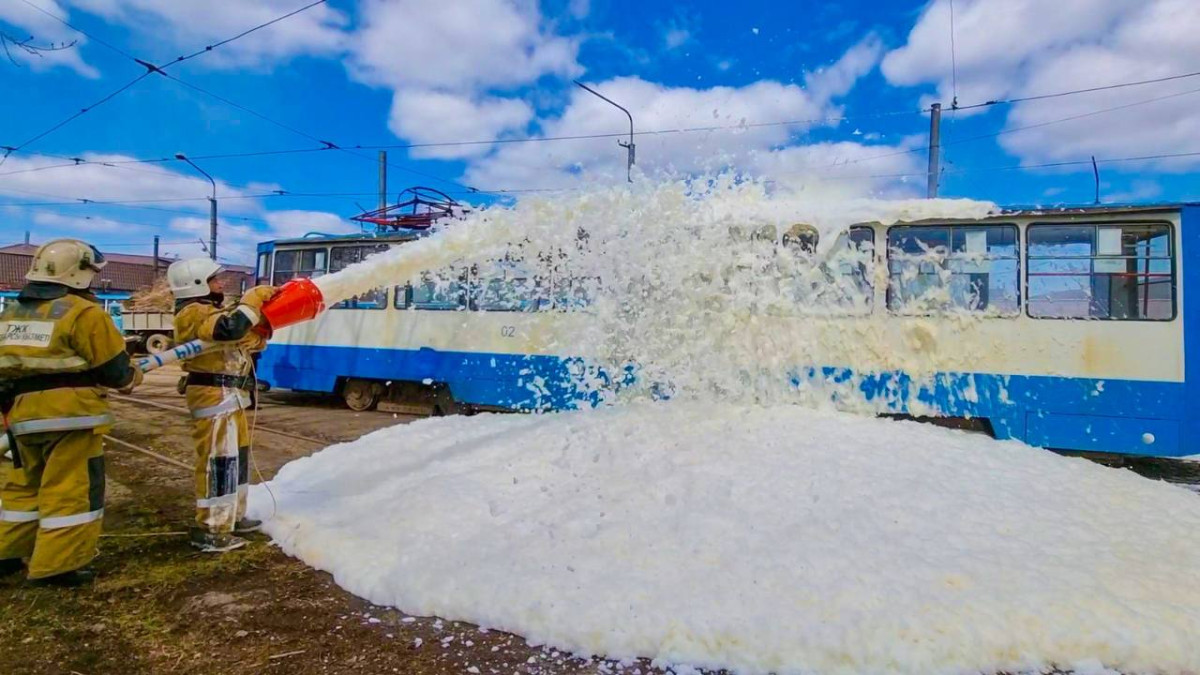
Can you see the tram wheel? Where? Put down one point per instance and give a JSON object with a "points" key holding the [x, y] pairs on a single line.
{"points": [[360, 395]]}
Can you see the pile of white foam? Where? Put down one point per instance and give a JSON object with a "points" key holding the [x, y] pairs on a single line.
{"points": [[756, 538]]}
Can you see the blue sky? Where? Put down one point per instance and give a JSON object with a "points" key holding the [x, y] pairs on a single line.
{"points": [[391, 72]]}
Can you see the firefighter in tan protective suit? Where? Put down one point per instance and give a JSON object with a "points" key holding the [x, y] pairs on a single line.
{"points": [[219, 390], [58, 348]]}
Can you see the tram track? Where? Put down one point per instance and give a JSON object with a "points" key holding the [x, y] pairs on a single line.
{"points": [[149, 453], [257, 427]]}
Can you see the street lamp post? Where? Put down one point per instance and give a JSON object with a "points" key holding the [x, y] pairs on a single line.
{"points": [[212, 207], [630, 147]]}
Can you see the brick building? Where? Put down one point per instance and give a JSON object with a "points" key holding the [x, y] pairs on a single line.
{"points": [[124, 274]]}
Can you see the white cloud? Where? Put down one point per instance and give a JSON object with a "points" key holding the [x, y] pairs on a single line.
{"points": [[243, 220], [44, 30], [840, 77], [30, 178], [297, 223], [655, 107], [82, 225], [675, 37], [237, 241], [453, 65], [424, 116], [579, 8], [172, 25], [849, 166], [768, 151], [1014, 48], [1140, 190], [466, 45]]}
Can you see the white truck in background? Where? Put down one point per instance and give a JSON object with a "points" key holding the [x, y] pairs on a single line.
{"points": [[149, 332]]}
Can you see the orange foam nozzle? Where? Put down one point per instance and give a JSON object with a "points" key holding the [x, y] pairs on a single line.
{"points": [[296, 301]]}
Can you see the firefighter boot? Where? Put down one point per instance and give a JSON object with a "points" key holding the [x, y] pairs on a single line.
{"points": [[72, 579], [214, 542], [247, 526], [10, 567]]}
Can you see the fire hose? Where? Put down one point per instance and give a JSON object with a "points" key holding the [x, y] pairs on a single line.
{"points": [[296, 301]]}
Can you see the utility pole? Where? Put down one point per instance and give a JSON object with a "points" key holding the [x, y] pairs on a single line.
{"points": [[935, 147], [630, 147], [382, 179], [212, 207], [156, 257]]}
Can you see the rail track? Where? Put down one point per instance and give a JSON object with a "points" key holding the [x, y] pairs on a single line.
{"points": [[176, 408], [126, 445]]}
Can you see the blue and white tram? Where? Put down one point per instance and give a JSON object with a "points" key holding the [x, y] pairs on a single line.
{"points": [[1087, 337]]}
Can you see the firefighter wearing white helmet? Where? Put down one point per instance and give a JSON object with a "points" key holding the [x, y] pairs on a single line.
{"points": [[219, 389], [58, 349]]}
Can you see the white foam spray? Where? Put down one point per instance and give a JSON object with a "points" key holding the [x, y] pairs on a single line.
{"points": [[699, 284]]}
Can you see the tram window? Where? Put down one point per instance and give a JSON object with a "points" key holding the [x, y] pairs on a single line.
{"points": [[342, 257], [584, 291], [446, 291], [306, 263], [939, 268], [505, 294], [846, 283], [572, 293], [1121, 271], [263, 271]]}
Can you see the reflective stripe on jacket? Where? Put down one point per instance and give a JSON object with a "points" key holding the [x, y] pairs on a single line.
{"points": [[67, 334]]}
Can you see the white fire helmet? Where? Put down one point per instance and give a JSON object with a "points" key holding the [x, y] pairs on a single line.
{"points": [[189, 278], [69, 262]]}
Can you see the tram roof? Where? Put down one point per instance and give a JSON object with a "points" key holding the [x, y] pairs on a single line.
{"points": [[319, 237], [1069, 209]]}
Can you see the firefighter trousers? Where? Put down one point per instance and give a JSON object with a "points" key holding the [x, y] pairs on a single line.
{"points": [[221, 439], [51, 507]]}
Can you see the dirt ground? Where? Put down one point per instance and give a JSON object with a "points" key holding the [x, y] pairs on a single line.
{"points": [[160, 607]]}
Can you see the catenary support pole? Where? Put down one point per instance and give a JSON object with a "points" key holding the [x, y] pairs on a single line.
{"points": [[382, 179], [935, 148]]}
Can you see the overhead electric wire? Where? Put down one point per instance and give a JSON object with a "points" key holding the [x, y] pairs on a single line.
{"points": [[82, 32], [243, 34], [401, 146], [329, 144], [1013, 130], [1019, 167], [953, 61], [150, 68], [1073, 92], [542, 139], [69, 201], [963, 170], [82, 111]]}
